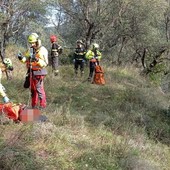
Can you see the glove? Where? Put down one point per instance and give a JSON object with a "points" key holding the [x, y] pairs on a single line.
{"points": [[96, 57], [74, 60], [20, 57], [5, 99], [83, 61]]}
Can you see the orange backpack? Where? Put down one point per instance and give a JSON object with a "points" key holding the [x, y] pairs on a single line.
{"points": [[99, 75]]}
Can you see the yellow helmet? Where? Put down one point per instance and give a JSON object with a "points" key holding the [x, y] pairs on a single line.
{"points": [[32, 38]]}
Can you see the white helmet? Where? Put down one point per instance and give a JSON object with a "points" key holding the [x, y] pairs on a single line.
{"points": [[8, 63], [95, 46], [79, 41]]}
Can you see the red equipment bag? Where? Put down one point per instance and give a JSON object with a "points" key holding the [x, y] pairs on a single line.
{"points": [[11, 110], [20, 112], [99, 75]]}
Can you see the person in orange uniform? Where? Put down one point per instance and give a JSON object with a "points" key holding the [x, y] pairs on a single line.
{"points": [[36, 60]]}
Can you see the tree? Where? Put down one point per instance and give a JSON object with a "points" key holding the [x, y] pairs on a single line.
{"points": [[16, 14], [88, 18]]}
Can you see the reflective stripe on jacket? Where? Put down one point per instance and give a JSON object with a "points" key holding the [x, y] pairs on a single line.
{"points": [[56, 49], [90, 55], [79, 53]]}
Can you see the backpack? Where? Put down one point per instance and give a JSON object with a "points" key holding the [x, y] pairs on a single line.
{"points": [[98, 76]]}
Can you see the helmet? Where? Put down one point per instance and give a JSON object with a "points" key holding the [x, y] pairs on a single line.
{"points": [[35, 34], [53, 38], [8, 63], [32, 38], [95, 46], [79, 41]]}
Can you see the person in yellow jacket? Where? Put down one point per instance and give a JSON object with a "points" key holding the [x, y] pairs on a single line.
{"points": [[36, 60], [94, 56], [5, 66]]}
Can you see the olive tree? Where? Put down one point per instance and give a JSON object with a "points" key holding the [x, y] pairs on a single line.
{"points": [[15, 18]]}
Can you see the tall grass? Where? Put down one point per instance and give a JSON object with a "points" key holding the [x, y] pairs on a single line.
{"points": [[122, 125]]}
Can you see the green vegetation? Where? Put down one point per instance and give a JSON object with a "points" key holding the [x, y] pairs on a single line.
{"points": [[122, 125]]}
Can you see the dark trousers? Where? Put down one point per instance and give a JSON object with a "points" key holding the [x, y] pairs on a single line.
{"points": [[54, 63], [92, 68], [77, 64]]}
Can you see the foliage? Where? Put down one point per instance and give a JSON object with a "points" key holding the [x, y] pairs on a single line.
{"points": [[128, 31], [121, 125]]}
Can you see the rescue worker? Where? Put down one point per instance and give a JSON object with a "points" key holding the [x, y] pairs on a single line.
{"points": [[5, 66], [94, 56], [79, 57], [36, 60], [56, 50]]}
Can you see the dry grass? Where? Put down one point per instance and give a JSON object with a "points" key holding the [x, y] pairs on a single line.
{"points": [[122, 125]]}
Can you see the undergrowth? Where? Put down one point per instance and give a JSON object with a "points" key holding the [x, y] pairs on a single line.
{"points": [[122, 125]]}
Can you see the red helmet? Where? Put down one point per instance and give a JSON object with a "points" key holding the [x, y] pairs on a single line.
{"points": [[53, 38]]}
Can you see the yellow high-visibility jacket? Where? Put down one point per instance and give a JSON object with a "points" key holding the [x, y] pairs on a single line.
{"points": [[90, 55]]}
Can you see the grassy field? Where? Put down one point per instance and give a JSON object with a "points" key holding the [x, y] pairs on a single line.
{"points": [[124, 125]]}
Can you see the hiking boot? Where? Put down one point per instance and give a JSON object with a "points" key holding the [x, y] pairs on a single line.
{"points": [[17, 121], [89, 79]]}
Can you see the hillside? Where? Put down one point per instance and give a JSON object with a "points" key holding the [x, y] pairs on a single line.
{"points": [[123, 125]]}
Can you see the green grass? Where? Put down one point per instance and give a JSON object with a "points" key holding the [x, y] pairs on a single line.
{"points": [[120, 126]]}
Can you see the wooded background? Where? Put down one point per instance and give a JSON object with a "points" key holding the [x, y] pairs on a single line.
{"points": [[128, 31]]}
